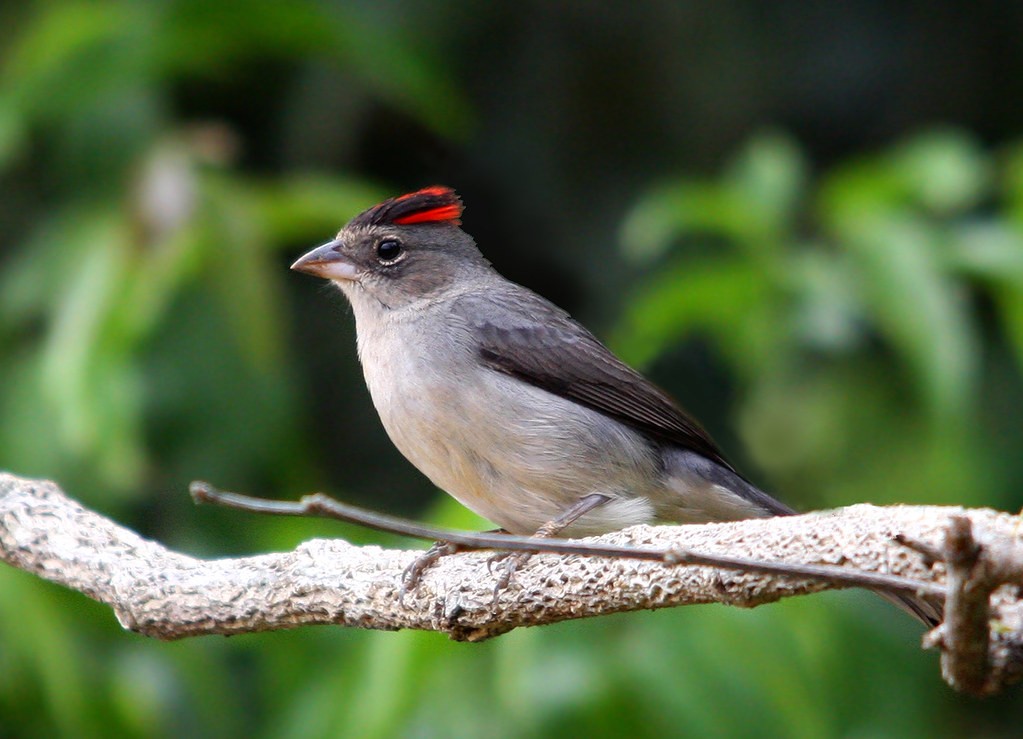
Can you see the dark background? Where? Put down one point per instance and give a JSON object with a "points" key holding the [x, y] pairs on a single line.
{"points": [[802, 219]]}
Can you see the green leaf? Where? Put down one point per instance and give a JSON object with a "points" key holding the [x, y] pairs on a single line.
{"points": [[941, 172], [917, 307], [992, 252], [300, 206], [205, 38], [769, 177], [726, 300], [674, 210], [13, 132], [944, 170]]}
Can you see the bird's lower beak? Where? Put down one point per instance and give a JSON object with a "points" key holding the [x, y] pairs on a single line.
{"points": [[328, 262]]}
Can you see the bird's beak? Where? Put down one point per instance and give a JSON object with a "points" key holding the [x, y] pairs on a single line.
{"points": [[327, 261]]}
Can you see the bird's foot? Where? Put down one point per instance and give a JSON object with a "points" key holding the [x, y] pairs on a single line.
{"points": [[507, 564], [413, 574], [514, 560]]}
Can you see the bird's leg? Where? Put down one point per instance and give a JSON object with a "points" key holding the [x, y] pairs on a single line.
{"points": [[414, 572], [513, 560]]}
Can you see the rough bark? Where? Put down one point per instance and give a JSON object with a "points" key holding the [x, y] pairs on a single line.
{"points": [[169, 595]]}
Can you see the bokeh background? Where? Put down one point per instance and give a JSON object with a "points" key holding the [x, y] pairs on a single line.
{"points": [[805, 220]]}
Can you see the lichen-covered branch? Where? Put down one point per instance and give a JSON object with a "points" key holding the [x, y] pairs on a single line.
{"points": [[169, 595]]}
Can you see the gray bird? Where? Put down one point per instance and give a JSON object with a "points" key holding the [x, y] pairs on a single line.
{"points": [[509, 405]]}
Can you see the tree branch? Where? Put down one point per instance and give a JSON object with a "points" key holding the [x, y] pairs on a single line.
{"points": [[320, 505], [168, 595]]}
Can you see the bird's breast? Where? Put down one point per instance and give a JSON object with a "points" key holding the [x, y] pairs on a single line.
{"points": [[513, 453]]}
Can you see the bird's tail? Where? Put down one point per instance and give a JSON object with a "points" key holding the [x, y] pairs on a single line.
{"points": [[926, 610]]}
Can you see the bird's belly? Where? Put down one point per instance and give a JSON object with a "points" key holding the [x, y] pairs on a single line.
{"points": [[517, 455]]}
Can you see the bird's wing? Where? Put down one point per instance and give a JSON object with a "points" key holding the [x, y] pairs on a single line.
{"points": [[527, 337]]}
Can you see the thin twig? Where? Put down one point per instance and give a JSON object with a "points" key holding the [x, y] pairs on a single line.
{"points": [[931, 554], [324, 506]]}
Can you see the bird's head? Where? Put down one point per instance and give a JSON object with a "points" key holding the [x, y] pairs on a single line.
{"points": [[404, 250]]}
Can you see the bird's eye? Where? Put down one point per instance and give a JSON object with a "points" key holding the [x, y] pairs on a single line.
{"points": [[388, 250]]}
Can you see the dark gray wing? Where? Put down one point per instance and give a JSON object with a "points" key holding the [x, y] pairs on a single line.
{"points": [[525, 336]]}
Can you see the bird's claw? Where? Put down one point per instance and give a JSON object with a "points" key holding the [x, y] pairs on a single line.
{"points": [[497, 558], [503, 564], [510, 563], [413, 574]]}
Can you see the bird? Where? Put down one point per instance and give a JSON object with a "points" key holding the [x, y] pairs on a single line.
{"points": [[507, 403]]}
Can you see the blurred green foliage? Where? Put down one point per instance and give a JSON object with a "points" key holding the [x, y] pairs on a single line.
{"points": [[868, 319], [854, 307]]}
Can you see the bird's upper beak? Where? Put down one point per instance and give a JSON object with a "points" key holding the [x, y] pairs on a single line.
{"points": [[327, 261]]}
